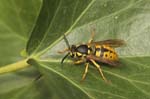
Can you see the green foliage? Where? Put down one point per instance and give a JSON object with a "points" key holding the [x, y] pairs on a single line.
{"points": [[41, 34]]}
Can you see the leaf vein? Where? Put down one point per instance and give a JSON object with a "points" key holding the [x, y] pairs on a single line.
{"points": [[49, 27], [112, 94], [55, 42], [51, 69]]}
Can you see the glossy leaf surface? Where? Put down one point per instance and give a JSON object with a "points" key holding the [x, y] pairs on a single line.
{"points": [[112, 19]]}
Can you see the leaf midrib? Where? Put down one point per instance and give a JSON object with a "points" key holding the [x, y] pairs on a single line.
{"points": [[131, 81]]}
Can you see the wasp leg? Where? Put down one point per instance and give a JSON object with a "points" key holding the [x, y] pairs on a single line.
{"points": [[85, 72], [63, 51], [99, 69], [92, 36], [79, 61]]}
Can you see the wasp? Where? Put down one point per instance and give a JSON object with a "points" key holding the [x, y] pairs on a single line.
{"points": [[94, 52]]}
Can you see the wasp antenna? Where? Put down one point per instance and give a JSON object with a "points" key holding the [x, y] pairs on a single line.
{"points": [[67, 43], [64, 58]]}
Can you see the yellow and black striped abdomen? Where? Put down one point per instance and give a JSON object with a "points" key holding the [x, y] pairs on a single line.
{"points": [[106, 52]]}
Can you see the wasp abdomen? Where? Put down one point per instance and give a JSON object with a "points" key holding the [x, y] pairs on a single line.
{"points": [[105, 52]]}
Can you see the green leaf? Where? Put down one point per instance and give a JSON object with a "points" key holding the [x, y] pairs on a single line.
{"points": [[16, 22], [17, 19], [56, 18], [127, 20], [130, 80], [21, 84], [122, 19]]}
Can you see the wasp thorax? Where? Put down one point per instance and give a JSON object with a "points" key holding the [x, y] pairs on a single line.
{"points": [[82, 49], [78, 51]]}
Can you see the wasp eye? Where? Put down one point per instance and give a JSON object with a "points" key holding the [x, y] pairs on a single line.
{"points": [[73, 48]]}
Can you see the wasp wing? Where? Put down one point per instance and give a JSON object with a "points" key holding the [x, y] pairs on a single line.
{"points": [[102, 60], [111, 42]]}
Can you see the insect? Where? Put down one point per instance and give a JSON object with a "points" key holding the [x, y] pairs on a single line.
{"points": [[94, 52]]}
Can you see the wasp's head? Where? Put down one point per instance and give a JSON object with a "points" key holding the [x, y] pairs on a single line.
{"points": [[73, 50]]}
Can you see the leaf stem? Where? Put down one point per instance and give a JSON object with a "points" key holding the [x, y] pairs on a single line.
{"points": [[14, 66]]}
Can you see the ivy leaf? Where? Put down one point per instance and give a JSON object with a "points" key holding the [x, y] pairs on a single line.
{"points": [[127, 20], [16, 22], [56, 18], [17, 19]]}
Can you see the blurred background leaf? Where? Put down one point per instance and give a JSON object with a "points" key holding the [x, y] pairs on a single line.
{"points": [[17, 20]]}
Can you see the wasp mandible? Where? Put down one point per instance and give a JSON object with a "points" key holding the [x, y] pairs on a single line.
{"points": [[94, 52]]}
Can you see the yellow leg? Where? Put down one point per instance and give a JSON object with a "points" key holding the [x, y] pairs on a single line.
{"points": [[92, 36], [99, 69], [79, 62], [85, 72], [65, 50]]}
